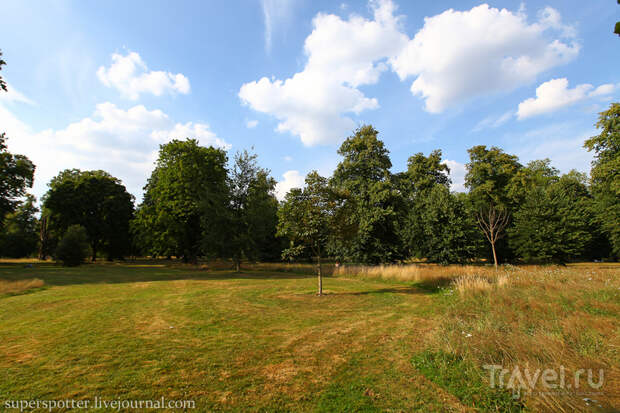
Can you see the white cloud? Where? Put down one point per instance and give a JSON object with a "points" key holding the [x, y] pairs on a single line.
{"points": [[275, 13], [493, 121], [251, 124], [458, 55], [288, 158], [604, 90], [560, 142], [130, 76], [292, 179], [342, 55], [555, 94], [199, 131], [13, 95], [122, 142], [457, 175]]}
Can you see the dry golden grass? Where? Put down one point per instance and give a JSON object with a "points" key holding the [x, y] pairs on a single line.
{"points": [[543, 317], [16, 287], [535, 317], [465, 278]]}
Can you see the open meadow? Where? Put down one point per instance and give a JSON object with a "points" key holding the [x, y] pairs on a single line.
{"points": [[412, 338]]}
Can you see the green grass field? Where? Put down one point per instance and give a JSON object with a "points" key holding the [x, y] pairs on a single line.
{"points": [[262, 340]]}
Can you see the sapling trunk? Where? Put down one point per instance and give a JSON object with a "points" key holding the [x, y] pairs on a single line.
{"points": [[318, 270]]}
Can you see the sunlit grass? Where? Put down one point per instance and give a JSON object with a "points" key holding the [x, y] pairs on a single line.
{"points": [[381, 338]]}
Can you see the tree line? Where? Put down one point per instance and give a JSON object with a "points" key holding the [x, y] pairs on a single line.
{"points": [[196, 205]]}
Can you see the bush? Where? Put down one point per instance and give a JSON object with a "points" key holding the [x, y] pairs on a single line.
{"points": [[73, 248]]}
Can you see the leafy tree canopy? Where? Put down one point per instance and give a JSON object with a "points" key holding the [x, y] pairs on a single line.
{"points": [[605, 173], [183, 201], [489, 174], [252, 210], [94, 200], [20, 234], [16, 176], [368, 193]]}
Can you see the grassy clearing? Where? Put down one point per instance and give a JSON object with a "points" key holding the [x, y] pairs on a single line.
{"points": [[261, 340]]}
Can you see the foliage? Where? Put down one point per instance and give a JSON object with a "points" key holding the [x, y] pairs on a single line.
{"points": [[2, 82], [449, 230], [489, 174], [184, 203], [367, 191], [95, 200], [436, 225], [536, 174], [16, 176], [553, 223], [305, 217], [252, 211], [423, 173], [489, 178], [605, 173], [20, 235], [74, 247]]}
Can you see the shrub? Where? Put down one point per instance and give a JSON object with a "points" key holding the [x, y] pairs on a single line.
{"points": [[73, 248]]}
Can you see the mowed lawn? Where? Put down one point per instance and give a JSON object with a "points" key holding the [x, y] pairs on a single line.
{"points": [[251, 341]]}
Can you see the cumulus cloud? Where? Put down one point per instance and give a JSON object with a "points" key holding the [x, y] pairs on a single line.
{"points": [[122, 142], [131, 77], [457, 175], [604, 90], [292, 179], [251, 124], [199, 131], [342, 55], [555, 94], [458, 55]]}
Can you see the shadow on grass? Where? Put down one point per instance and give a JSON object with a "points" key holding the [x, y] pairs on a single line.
{"points": [[393, 290], [114, 273], [434, 286]]}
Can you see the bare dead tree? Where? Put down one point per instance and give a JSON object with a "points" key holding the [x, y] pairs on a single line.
{"points": [[492, 222]]}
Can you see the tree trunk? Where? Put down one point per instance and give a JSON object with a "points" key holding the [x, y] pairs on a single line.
{"points": [[43, 237], [94, 257], [320, 274], [238, 265], [494, 254]]}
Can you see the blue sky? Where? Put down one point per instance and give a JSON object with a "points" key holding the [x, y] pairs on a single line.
{"points": [[99, 85]]}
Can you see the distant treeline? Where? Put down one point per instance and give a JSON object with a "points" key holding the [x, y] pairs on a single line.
{"points": [[196, 205]]}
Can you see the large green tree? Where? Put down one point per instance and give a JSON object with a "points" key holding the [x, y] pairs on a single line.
{"points": [[364, 181], [554, 222], [436, 226], [605, 173], [16, 176], [423, 173], [20, 235], [95, 200], [252, 211], [184, 201], [306, 218], [490, 172], [440, 229]]}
